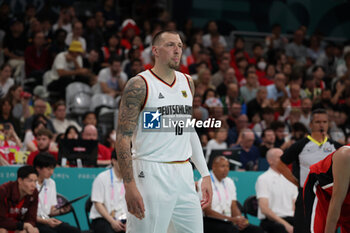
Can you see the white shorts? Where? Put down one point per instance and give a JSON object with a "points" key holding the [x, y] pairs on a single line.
{"points": [[169, 194]]}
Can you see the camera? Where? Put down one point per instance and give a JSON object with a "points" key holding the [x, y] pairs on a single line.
{"points": [[7, 126]]}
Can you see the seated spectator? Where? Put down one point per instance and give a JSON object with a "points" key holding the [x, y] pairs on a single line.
{"points": [[7, 117], [197, 104], [14, 44], [281, 132], [58, 44], [224, 203], [111, 139], [40, 107], [326, 100], [231, 96], [40, 92], [268, 140], [296, 51], [255, 106], [5, 79], [258, 52], [64, 20], [134, 67], [234, 111], [112, 79], [37, 59], [217, 143], [90, 118], [218, 77], [92, 34], [276, 214], [315, 49], [228, 78], [249, 90], [9, 141], [44, 142], [67, 68], [71, 133], [204, 81], [278, 89], [327, 61], [242, 64], [275, 41], [45, 165], [19, 202], [113, 48], [267, 115], [241, 123], [312, 92], [108, 213], [294, 99], [76, 34], [212, 29], [249, 154], [104, 154], [60, 122], [19, 101]]}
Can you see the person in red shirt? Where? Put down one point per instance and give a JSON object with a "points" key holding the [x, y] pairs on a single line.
{"points": [[19, 202], [43, 139], [103, 154], [327, 193]]}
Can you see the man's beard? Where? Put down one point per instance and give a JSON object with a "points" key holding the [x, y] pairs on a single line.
{"points": [[173, 65]]}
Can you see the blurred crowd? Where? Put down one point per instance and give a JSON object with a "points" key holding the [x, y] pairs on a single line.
{"points": [[263, 92]]}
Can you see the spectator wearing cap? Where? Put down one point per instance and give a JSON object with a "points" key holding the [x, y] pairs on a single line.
{"points": [[14, 44], [67, 68], [5, 79], [60, 122], [129, 30], [76, 34], [37, 60], [112, 79]]}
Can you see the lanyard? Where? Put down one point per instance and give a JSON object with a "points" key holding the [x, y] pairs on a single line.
{"points": [[216, 188], [112, 185], [44, 186]]}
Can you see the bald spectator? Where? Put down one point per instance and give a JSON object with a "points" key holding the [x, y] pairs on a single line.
{"points": [[104, 154], [39, 109], [255, 106], [276, 214], [278, 89], [296, 51], [249, 154], [60, 122], [224, 203]]}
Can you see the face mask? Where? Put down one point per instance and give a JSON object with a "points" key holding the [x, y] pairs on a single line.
{"points": [[261, 65], [113, 137]]}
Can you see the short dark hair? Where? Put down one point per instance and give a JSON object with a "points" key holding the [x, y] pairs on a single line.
{"points": [[114, 59], [277, 124], [25, 171], [157, 36], [317, 111], [264, 132], [44, 159], [44, 132], [57, 104]]}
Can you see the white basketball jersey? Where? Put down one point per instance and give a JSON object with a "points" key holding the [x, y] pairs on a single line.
{"points": [[159, 137]]}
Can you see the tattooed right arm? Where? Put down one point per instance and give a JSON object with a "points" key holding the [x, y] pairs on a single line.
{"points": [[131, 102]]}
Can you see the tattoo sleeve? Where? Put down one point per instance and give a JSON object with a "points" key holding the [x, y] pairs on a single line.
{"points": [[131, 102]]}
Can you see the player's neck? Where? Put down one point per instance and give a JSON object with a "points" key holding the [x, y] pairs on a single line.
{"points": [[164, 73]]}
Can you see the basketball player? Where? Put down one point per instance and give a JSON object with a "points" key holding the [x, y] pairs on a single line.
{"points": [[327, 193], [158, 178]]}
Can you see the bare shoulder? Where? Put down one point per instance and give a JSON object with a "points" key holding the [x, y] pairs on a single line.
{"points": [[135, 91], [342, 155]]}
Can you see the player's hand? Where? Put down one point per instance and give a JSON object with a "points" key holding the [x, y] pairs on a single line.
{"points": [[118, 226], [134, 201], [52, 222], [207, 192], [242, 222]]}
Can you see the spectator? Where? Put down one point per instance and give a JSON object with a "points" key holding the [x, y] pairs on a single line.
{"points": [[343, 70], [40, 92], [238, 47], [267, 115], [40, 107], [336, 131], [318, 72], [76, 34], [14, 45], [296, 51], [249, 154], [212, 29], [242, 64], [217, 143], [19, 101], [37, 60], [249, 90], [304, 153], [218, 77], [306, 107], [64, 20], [268, 140], [204, 78], [135, 67], [108, 213], [328, 61], [60, 122], [278, 89], [294, 99], [103, 155], [112, 49], [92, 35], [90, 118], [225, 208], [276, 214], [19, 202], [44, 144], [9, 144], [112, 79], [281, 132], [197, 104], [229, 77], [234, 112], [311, 90], [5, 79], [111, 138], [71, 133], [7, 117], [45, 164], [255, 106], [68, 67], [129, 30], [258, 51], [92, 63], [275, 41], [314, 51], [58, 44]]}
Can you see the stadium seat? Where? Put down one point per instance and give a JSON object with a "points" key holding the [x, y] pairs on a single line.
{"points": [[75, 88], [101, 100], [88, 205], [79, 104]]}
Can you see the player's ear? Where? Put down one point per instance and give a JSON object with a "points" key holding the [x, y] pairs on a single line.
{"points": [[155, 50]]}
